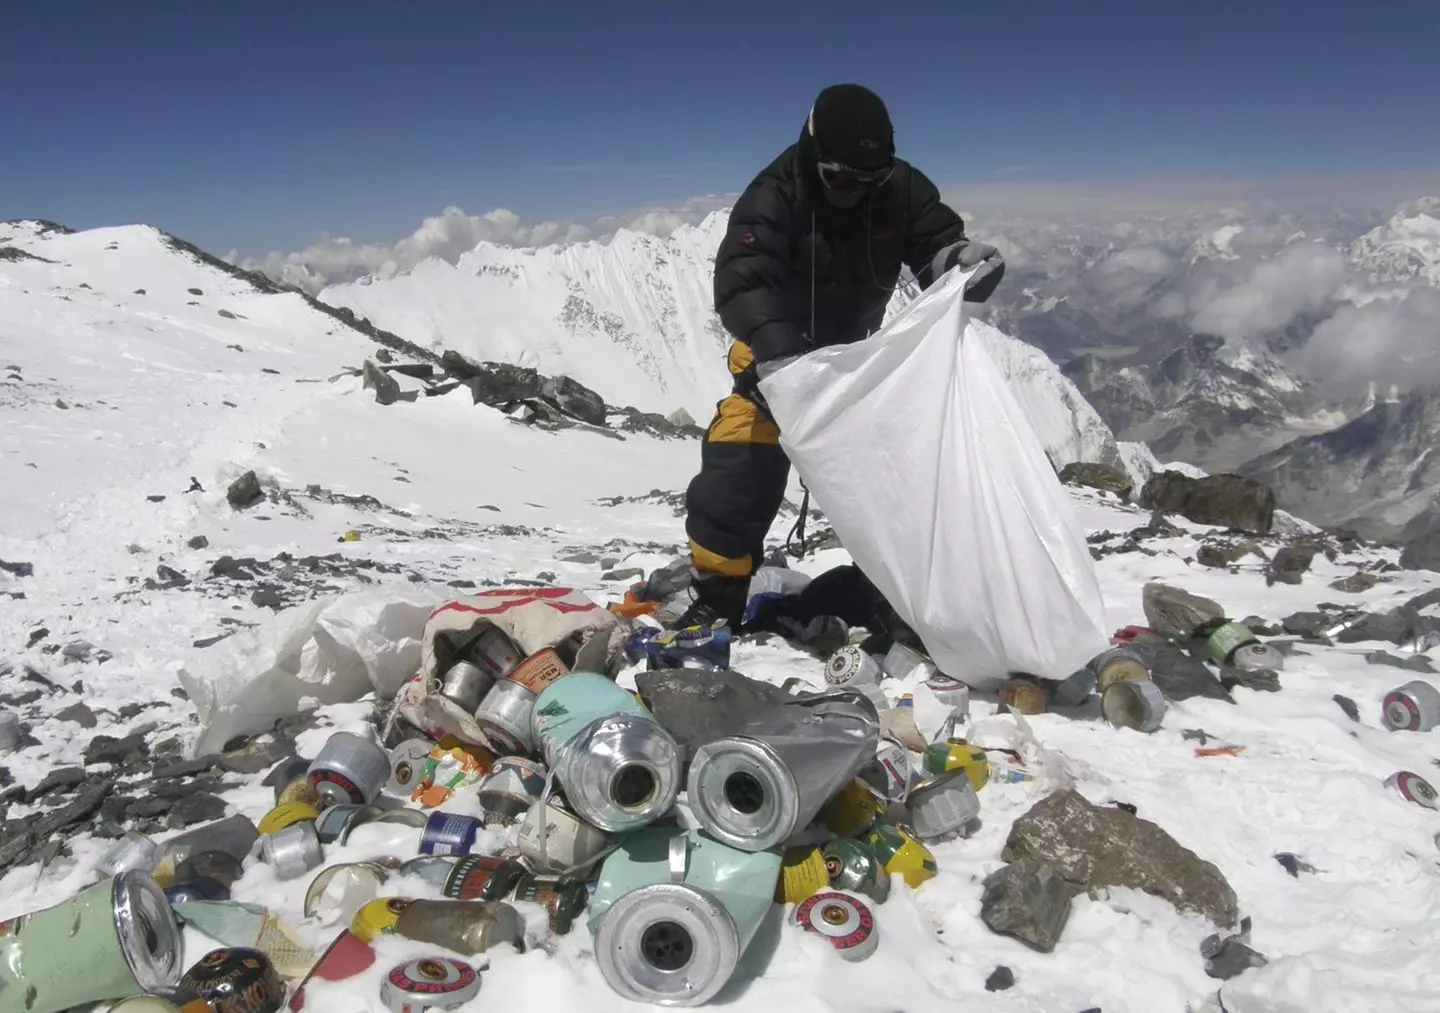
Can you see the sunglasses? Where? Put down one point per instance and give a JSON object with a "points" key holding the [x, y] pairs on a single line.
{"points": [[844, 177]]}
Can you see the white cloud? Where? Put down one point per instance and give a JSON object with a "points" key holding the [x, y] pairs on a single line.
{"points": [[1300, 280], [1386, 341], [1127, 276]]}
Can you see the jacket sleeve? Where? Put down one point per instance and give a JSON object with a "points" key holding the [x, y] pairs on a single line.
{"points": [[751, 270], [933, 226]]}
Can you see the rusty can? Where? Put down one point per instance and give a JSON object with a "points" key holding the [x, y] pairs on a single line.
{"points": [[482, 877], [298, 789], [563, 899], [234, 980], [538, 671], [1025, 696], [429, 983], [842, 919], [350, 768], [465, 684], [464, 926]]}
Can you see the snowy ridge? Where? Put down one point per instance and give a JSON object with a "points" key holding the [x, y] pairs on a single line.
{"points": [[1405, 249]]}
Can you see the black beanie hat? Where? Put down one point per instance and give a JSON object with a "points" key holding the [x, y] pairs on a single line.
{"points": [[850, 125]]}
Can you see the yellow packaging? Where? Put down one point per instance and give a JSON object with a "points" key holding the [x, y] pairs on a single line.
{"points": [[901, 854], [802, 874], [286, 815], [378, 917]]}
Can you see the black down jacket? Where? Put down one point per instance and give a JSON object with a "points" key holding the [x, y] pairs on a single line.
{"points": [[795, 273]]}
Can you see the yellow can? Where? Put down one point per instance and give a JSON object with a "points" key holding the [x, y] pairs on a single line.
{"points": [[901, 854], [298, 790], [957, 754], [802, 874], [285, 815], [852, 809], [378, 917]]}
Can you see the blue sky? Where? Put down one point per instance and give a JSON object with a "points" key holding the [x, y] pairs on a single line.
{"points": [[259, 125]]}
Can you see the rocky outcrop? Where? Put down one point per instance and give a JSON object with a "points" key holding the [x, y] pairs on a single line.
{"points": [[1229, 501], [1098, 476]]}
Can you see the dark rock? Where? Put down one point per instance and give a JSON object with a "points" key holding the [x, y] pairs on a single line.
{"points": [[253, 757], [697, 706], [584, 558], [1029, 901], [121, 752], [1228, 956], [1158, 526], [1290, 564], [1293, 864], [227, 566], [199, 542], [1423, 601], [21, 699], [1261, 681], [266, 598], [1172, 612], [212, 641], [155, 499], [499, 384], [114, 808], [459, 366], [1348, 706], [1229, 501], [131, 710], [1260, 627], [18, 569], [1355, 583], [194, 291], [1310, 625], [201, 807], [1000, 979], [1098, 476], [78, 651], [149, 807], [38, 634], [386, 387], [1096, 847], [629, 573], [18, 844], [60, 779], [244, 491], [1218, 555], [574, 398], [461, 583], [1398, 626], [80, 715], [1178, 675], [419, 370], [384, 355], [1422, 553], [187, 768], [1410, 662]]}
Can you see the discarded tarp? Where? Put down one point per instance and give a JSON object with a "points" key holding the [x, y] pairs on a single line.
{"points": [[928, 468], [328, 651]]}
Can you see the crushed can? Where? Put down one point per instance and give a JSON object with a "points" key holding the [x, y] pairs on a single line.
{"points": [[235, 835], [898, 722], [1414, 788], [346, 957], [556, 840], [957, 754], [293, 851], [853, 808], [673, 911], [465, 684], [504, 717], [375, 918], [132, 852], [285, 815], [890, 773], [850, 666], [429, 983], [703, 647], [850, 864], [841, 918], [283, 773], [513, 785], [121, 932], [908, 665], [943, 807], [802, 872], [1225, 640], [563, 899], [900, 854], [349, 768], [450, 766], [234, 980], [1413, 707], [1133, 703], [617, 767], [482, 877], [450, 834], [754, 789], [468, 927], [1257, 657], [338, 892]]}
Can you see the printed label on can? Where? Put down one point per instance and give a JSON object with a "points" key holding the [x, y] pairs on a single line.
{"points": [[482, 877], [237, 980], [449, 834], [538, 671], [429, 982], [335, 781]]}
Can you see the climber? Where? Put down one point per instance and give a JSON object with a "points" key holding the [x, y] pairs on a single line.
{"points": [[810, 257]]}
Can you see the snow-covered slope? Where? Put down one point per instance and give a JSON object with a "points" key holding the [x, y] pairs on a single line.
{"points": [[1405, 249]]}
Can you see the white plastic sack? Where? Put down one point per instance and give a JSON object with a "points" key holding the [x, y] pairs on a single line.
{"points": [[330, 651], [936, 483]]}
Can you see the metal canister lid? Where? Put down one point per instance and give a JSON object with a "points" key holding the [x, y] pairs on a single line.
{"points": [[378, 917], [842, 919], [850, 864], [407, 766], [149, 933], [943, 806], [1133, 703], [667, 943], [429, 983], [465, 684], [850, 666], [1414, 788], [1257, 657], [742, 793]]}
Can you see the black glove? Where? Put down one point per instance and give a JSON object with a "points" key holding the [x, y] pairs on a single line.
{"points": [[989, 265]]}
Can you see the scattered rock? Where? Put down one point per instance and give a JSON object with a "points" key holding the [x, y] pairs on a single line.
{"points": [[1029, 901], [170, 576], [194, 291], [629, 573], [1263, 681], [1260, 627], [1228, 956], [195, 485], [19, 841], [155, 498], [1398, 626], [386, 387], [61, 779], [1422, 553], [60, 403], [187, 768], [201, 807], [384, 355], [121, 752], [1229, 501], [78, 651], [574, 398], [1410, 662], [244, 491], [1310, 625], [1173, 612], [680, 418], [1348, 706], [1290, 564], [1218, 555], [1098, 476], [1355, 583], [227, 314], [235, 569], [18, 569], [1158, 526], [266, 598], [1293, 864], [132, 710], [584, 558], [254, 757], [80, 714], [1000, 979], [38, 634], [1096, 847]]}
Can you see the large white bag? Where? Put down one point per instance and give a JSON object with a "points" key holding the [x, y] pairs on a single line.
{"points": [[924, 462]]}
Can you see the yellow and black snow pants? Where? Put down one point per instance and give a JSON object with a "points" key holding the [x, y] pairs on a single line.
{"points": [[733, 501]]}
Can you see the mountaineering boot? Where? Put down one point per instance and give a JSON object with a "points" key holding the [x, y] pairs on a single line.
{"points": [[716, 597]]}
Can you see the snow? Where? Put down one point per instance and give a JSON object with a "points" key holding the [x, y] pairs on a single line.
{"points": [[146, 378], [1405, 249]]}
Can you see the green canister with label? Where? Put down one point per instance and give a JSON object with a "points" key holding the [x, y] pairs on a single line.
{"points": [[1225, 641], [114, 939]]}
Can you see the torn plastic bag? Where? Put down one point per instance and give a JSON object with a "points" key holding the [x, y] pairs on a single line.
{"points": [[331, 651], [960, 521]]}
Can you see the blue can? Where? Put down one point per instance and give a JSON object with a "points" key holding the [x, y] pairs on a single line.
{"points": [[449, 834], [694, 647]]}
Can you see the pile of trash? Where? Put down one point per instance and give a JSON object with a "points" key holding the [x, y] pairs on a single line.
{"points": [[513, 776]]}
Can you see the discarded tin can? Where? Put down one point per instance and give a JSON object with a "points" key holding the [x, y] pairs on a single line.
{"points": [[673, 912], [617, 767], [1133, 703], [465, 926], [292, 852], [130, 852], [957, 754], [802, 872], [298, 789], [538, 671], [199, 888], [851, 864], [252, 926], [349, 768], [1022, 694], [234, 835], [283, 774], [235, 980], [11, 733], [1222, 644], [338, 892], [407, 766], [217, 865], [563, 899], [1118, 664], [900, 854], [1075, 690], [512, 786], [449, 834], [1414, 788], [853, 808], [483, 877], [110, 940], [559, 841], [505, 715], [1257, 657], [377, 917], [888, 775], [952, 693], [336, 821], [753, 789], [494, 652], [429, 983], [943, 807], [465, 685], [842, 919], [851, 666], [286, 815], [905, 664], [1413, 707], [346, 957]]}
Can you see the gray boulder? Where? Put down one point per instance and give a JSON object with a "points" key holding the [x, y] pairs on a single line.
{"points": [[574, 398], [1290, 564], [1098, 476], [386, 387], [244, 491], [1229, 501], [1422, 553], [1173, 612], [1029, 901]]}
